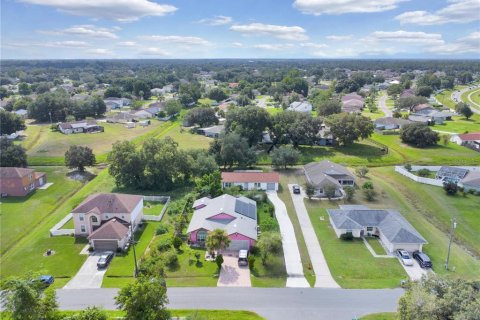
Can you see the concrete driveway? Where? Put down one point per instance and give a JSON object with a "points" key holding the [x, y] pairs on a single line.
{"points": [[232, 275], [88, 277], [323, 276], [382, 103], [414, 272], [293, 262]]}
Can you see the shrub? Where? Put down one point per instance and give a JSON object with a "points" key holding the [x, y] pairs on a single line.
{"points": [[161, 229], [362, 171], [347, 236], [251, 262], [170, 259], [349, 192], [164, 245], [90, 249], [254, 250], [450, 188], [369, 194], [219, 260], [367, 185], [177, 242], [423, 172], [408, 167]]}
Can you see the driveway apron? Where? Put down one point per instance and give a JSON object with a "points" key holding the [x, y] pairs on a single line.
{"points": [[88, 277]]}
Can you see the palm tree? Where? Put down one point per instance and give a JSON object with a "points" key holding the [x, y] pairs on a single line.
{"points": [[217, 240]]}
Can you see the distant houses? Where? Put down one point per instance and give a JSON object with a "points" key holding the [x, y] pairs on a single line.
{"points": [[18, 182], [352, 103], [469, 140], [211, 132], [390, 123], [83, 126], [117, 103], [301, 106]]}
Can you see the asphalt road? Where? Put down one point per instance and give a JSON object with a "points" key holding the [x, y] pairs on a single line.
{"points": [[382, 103], [271, 303]]}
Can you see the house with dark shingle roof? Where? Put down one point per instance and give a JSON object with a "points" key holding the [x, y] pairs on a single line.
{"points": [[99, 209], [390, 226], [326, 173], [471, 181], [237, 216], [18, 182]]}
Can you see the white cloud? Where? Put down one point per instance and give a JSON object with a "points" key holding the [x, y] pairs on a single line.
{"points": [[217, 21], [127, 43], [295, 33], [415, 37], [470, 43], [66, 44], [313, 45], [120, 10], [87, 30], [237, 44], [319, 7], [154, 52], [274, 47], [340, 37], [100, 51], [180, 40], [459, 11]]}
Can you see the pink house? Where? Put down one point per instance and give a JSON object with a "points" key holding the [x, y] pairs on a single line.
{"points": [[237, 216]]}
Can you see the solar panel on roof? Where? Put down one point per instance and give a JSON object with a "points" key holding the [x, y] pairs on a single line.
{"points": [[246, 209]]}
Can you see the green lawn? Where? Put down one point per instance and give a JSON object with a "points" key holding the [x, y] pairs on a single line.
{"points": [[20, 215], [273, 110], [350, 262], [381, 316], [184, 138], [373, 115], [475, 97], [445, 98], [272, 274], [68, 225], [460, 124], [153, 208], [376, 246], [205, 101], [430, 210]]}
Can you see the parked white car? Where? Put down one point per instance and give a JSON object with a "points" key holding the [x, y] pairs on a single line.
{"points": [[405, 257]]}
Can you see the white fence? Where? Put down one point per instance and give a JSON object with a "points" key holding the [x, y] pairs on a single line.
{"points": [[57, 229], [433, 182], [164, 199]]}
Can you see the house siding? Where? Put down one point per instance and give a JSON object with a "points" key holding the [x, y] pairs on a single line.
{"points": [[250, 185], [19, 187]]}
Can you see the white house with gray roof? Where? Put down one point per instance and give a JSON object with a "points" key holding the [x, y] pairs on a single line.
{"points": [[326, 173], [390, 226], [237, 216]]}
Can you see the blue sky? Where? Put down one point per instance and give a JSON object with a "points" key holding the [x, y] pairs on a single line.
{"points": [[70, 29]]}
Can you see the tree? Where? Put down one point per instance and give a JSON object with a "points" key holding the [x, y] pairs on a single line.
{"points": [[464, 109], [438, 298], [362, 171], [465, 77], [203, 163], [295, 128], [309, 190], [10, 123], [285, 156], [219, 261], [423, 172], [347, 128], [249, 122], [269, 243], [126, 165], [216, 240], [330, 191], [112, 92], [51, 106], [394, 89], [203, 117], [12, 155], [78, 157], [24, 89], [145, 299], [349, 192], [368, 191], [232, 150], [408, 167], [419, 135], [450, 188], [173, 107], [424, 91], [91, 313], [25, 299], [217, 94], [409, 102], [141, 89], [209, 185], [328, 107]]}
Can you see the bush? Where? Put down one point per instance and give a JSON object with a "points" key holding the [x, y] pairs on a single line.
{"points": [[164, 245], [349, 192], [251, 262], [254, 250], [219, 260], [419, 135], [170, 259], [450, 188], [367, 185], [362, 172], [347, 236], [177, 242], [369, 194], [423, 172], [161, 229], [408, 167]]}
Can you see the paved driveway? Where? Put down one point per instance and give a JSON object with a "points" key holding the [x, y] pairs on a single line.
{"points": [[293, 262], [323, 276], [382, 103], [88, 277], [415, 272], [232, 275]]}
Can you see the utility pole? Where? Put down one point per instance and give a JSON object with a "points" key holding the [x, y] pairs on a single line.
{"points": [[454, 226], [132, 242]]}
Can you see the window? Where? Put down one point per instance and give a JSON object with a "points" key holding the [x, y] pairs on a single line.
{"points": [[227, 184], [369, 228], [94, 219], [106, 217], [82, 228], [81, 217], [201, 235], [257, 185]]}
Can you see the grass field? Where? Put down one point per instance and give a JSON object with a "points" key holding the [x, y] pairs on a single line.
{"points": [[184, 138], [20, 215], [376, 246], [460, 124], [381, 316], [474, 97], [152, 208]]}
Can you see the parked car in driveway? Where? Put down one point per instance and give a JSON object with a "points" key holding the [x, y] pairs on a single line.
{"points": [[243, 258], [296, 189], [422, 259], [45, 280], [405, 257], [105, 259]]}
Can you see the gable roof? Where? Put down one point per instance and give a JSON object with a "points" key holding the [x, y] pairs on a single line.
{"points": [[242, 209], [109, 203], [423, 106], [352, 96], [474, 136], [250, 177], [472, 179], [14, 172], [300, 106], [390, 222], [391, 121], [315, 171], [114, 229]]}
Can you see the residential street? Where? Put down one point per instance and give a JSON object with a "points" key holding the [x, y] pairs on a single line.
{"points": [[382, 103], [291, 253], [324, 278], [272, 303]]}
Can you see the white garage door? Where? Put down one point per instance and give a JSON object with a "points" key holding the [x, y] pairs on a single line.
{"points": [[105, 245], [271, 186], [236, 245]]}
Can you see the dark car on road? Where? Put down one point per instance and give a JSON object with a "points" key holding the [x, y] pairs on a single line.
{"points": [[105, 259], [422, 259], [296, 189]]}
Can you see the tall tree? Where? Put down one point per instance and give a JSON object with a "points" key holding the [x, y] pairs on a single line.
{"points": [[285, 156], [347, 128], [249, 122], [144, 299], [328, 107], [126, 164], [419, 135], [12, 155], [217, 94], [464, 109], [201, 116], [10, 123], [231, 150], [79, 157], [217, 240]]}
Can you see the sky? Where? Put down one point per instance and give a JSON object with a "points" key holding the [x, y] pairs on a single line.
{"points": [[198, 29]]}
